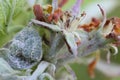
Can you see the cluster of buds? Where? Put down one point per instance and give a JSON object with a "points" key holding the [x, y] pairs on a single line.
{"points": [[76, 35]]}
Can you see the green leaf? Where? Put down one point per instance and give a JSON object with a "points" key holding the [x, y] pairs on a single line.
{"points": [[19, 7], [4, 12], [8, 9]]}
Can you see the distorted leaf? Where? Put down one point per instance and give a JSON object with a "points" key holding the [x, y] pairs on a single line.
{"points": [[25, 49]]}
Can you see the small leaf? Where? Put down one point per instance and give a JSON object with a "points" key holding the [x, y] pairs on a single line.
{"points": [[71, 43]]}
